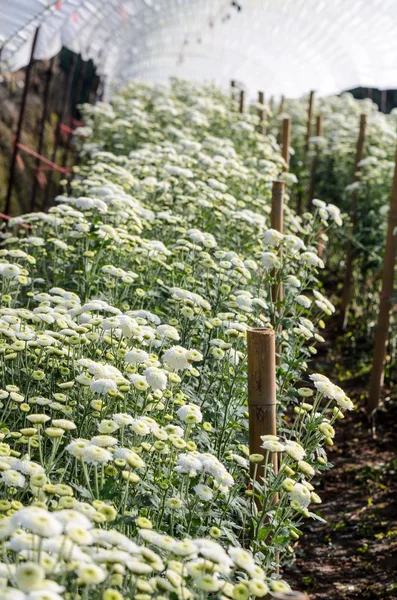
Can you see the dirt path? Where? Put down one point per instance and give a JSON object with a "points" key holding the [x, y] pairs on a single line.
{"points": [[354, 556]]}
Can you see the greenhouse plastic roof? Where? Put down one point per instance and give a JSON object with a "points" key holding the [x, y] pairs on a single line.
{"points": [[281, 46]]}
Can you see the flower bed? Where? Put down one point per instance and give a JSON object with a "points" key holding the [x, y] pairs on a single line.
{"points": [[125, 470]]}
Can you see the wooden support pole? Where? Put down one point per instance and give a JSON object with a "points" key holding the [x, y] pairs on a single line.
{"points": [[385, 303], [309, 119], [41, 132], [241, 103], [347, 281], [261, 113], [319, 133], [261, 347], [281, 107], [277, 222], [20, 124], [286, 141], [277, 214], [61, 117]]}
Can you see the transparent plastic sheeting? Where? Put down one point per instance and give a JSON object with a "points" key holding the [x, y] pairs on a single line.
{"points": [[280, 46]]}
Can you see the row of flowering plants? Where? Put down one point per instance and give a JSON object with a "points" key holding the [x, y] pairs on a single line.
{"points": [[335, 181], [125, 471]]}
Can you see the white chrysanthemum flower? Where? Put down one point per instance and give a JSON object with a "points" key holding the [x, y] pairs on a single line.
{"points": [[293, 281], [319, 203], [294, 450], [38, 520], [29, 576], [310, 258], [95, 455], [132, 458], [303, 301], [122, 419], [190, 413], [300, 494], [177, 358], [9, 271], [103, 441], [91, 574], [156, 378], [12, 478], [103, 386], [203, 492], [136, 356], [77, 447], [272, 237], [169, 332], [107, 426], [272, 443]]}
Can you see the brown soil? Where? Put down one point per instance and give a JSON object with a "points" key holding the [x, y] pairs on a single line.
{"points": [[354, 556]]}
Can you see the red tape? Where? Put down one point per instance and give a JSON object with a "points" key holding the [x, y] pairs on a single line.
{"points": [[53, 166], [7, 218], [66, 128]]}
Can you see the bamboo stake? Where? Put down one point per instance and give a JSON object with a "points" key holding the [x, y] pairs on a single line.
{"points": [[319, 133], [277, 222], [347, 282], [232, 89], [382, 327], [20, 123], [309, 119], [261, 113], [277, 214], [241, 104], [261, 348], [286, 141]]}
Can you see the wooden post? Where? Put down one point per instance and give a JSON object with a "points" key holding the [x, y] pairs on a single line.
{"points": [[277, 222], [277, 214], [286, 141], [61, 117], [319, 133], [41, 132], [241, 104], [382, 327], [232, 91], [309, 119], [261, 347], [261, 113], [281, 107], [20, 123], [347, 282]]}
